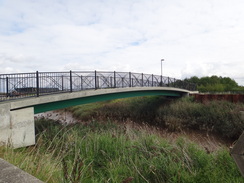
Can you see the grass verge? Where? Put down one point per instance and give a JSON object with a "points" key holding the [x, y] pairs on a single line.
{"points": [[106, 152]]}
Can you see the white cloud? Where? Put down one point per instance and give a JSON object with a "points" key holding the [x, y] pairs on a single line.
{"points": [[194, 37]]}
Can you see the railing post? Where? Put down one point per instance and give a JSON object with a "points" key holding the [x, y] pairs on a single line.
{"points": [[95, 79], [111, 82], [142, 79], [161, 83], [114, 79], [81, 82], [130, 79], [37, 84], [70, 80], [62, 82], [168, 81], [152, 80], [7, 87], [122, 82]]}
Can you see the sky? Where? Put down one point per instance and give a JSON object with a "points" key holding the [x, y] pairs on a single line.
{"points": [[194, 37]]}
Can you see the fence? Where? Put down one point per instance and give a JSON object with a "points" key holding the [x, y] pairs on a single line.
{"points": [[210, 97], [22, 85]]}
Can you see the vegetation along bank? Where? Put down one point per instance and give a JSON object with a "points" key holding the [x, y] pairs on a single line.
{"points": [[122, 141]]}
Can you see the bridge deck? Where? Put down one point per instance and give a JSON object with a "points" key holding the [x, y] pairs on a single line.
{"points": [[57, 101]]}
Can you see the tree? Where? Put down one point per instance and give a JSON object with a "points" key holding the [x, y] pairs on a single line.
{"points": [[214, 84]]}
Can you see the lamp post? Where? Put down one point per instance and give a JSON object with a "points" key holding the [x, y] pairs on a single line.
{"points": [[162, 66]]}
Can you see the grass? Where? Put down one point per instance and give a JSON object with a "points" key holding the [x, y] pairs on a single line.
{"points": [[138, 109], [220, 117], [108, 152], [101, 150]]}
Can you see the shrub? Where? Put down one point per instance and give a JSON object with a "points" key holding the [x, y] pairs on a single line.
{"points": [[217, 116]]}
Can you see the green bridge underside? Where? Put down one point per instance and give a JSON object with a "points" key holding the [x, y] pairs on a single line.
{"points": [[97, 98]]}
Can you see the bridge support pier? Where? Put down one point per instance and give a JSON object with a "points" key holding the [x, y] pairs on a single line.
{"points": [[17, 127]]}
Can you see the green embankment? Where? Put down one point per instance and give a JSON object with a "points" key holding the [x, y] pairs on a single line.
{"points": [[103, 151], [220, 117]]}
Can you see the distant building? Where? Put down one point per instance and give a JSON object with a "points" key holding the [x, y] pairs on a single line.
{"points": [[34, 89]]}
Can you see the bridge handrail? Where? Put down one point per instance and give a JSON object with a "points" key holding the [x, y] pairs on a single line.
{"points": [[35, 84]]}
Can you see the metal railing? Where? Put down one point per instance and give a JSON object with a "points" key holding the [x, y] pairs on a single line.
{"points": [[22, 85]]}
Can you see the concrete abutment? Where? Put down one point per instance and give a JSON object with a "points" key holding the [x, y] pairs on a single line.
{"points": [[5, 131], [17, 128]]}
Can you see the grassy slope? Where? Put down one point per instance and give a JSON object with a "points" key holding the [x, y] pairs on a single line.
{"points": [[105, 152]]}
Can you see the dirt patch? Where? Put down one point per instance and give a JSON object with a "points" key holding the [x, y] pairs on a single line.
{"points": [[62, 116]]}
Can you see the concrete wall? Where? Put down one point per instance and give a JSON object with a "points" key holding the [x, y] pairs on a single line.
{"points": [[17, 127], [5, 131], [22, 127]]}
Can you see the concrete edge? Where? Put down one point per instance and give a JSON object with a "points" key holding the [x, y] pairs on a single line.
{"points": [[12, 174]]}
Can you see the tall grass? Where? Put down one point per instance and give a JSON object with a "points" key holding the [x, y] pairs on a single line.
{"points": [[220, 117], [107, 152], [103, 151], [138, 109]]}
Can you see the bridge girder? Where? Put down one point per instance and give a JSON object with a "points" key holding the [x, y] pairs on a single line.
{"points": [[98, 98]]}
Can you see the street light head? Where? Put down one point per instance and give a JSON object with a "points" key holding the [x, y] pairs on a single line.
{"points": [[162, 60]]}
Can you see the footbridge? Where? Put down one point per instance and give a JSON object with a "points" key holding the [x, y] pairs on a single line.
{"points": [[24, 94]]}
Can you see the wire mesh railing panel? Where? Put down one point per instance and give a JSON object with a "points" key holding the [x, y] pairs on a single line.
{"points": [[53, 82], [147, 80], [136, 80], [14, 86], [156, 80], [121, 79], [84, 80], [106, 79]]}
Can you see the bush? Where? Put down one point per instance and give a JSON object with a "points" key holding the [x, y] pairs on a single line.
{"points": [[138, 109], [221, 117]]}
